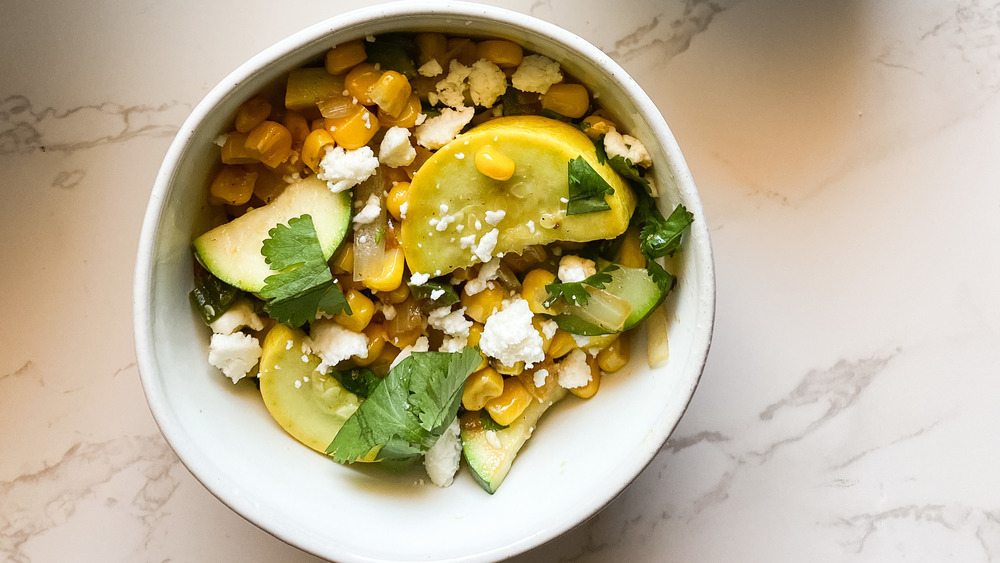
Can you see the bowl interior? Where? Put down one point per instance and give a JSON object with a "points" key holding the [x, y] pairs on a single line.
{"points": [[579, 459]]}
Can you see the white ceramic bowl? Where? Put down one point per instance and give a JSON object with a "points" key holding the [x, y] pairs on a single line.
{"points": [[582, 455]]}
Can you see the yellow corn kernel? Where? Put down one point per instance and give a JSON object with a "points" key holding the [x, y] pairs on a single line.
{"points": [[396, 199], [480, 306], [271, 141], [376, 344], [403, 339], [480, 387], [234, 150], [590, 389], [345, 56], [353, 132], [616, 355], [423, 155], [571, 100], [297, 125], [430, 46], [252, 113], [484, 362], [392, 271], [391, 93], [233, 185], [503, 53], [461, 49], [504, 369], [362, 311], [533, 290], [315, 146], [407, 118], [360, 81], [318, 123], [269, 184], [475, 333], [629, 254], [536, 322], [562, 344], [511, 403], [343, 260], [494, 164], [595, 125], [395, 296]]}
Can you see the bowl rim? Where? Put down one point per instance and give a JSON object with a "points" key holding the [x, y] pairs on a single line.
{"points": [[196, 461]]}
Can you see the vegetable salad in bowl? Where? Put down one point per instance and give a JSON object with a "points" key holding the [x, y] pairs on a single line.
{"points": [[424, 241]]}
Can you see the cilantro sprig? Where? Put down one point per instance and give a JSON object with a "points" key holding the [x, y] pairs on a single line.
{"points": [[575, 293], [302, 285], [446, 294], [587, 189], [407, 412]]}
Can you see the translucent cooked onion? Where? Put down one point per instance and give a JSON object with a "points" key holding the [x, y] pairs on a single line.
{"points": [[657, 349], [603, 309], [369, 238], [338, 106]]}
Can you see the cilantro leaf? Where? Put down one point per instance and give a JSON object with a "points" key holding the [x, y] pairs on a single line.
{"points": [[488, 423], [302, 285], [575, 293], [632, 173], [663, 279], [360, 381], [427, 290], [662, 237], [587, 189], [408, 411], [602, 153]]}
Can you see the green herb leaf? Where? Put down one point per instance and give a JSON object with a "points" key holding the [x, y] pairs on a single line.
{"points": [[427, 290], [662, 237], [586, 189], [303, 285], [360, 381], [663, 279], [632, 173], [409, 410], [575, 293], [488, 423], [602, 154]]}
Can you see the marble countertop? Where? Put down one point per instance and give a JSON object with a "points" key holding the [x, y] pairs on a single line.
{"points": [[848, 157]]}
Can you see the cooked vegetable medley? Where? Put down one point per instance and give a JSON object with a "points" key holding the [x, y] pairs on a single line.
{"points": [[424, 242]]}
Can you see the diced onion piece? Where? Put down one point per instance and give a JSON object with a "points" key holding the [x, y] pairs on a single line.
{"points": [[603, 309], [657, 350], [369, 238], [338, 106]]}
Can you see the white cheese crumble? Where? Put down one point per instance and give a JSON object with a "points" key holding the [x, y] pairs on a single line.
{"points": [[484, 250], [419, 279], [235, 354], [450, 90], [370, 212], [343, 170], [487, 273], [396, 150], [494, 217], [442, 459], [452, 323], [626, 146], [421, 345], [334, 343], [531, 226], [536, 73], [402, 209], [510, 337], [549, 328], [539, 377], [574, 371], [572, 268], [389, 312], [486, 83], [468, 241], [240, 315], [438, 131], [430, 69]]}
